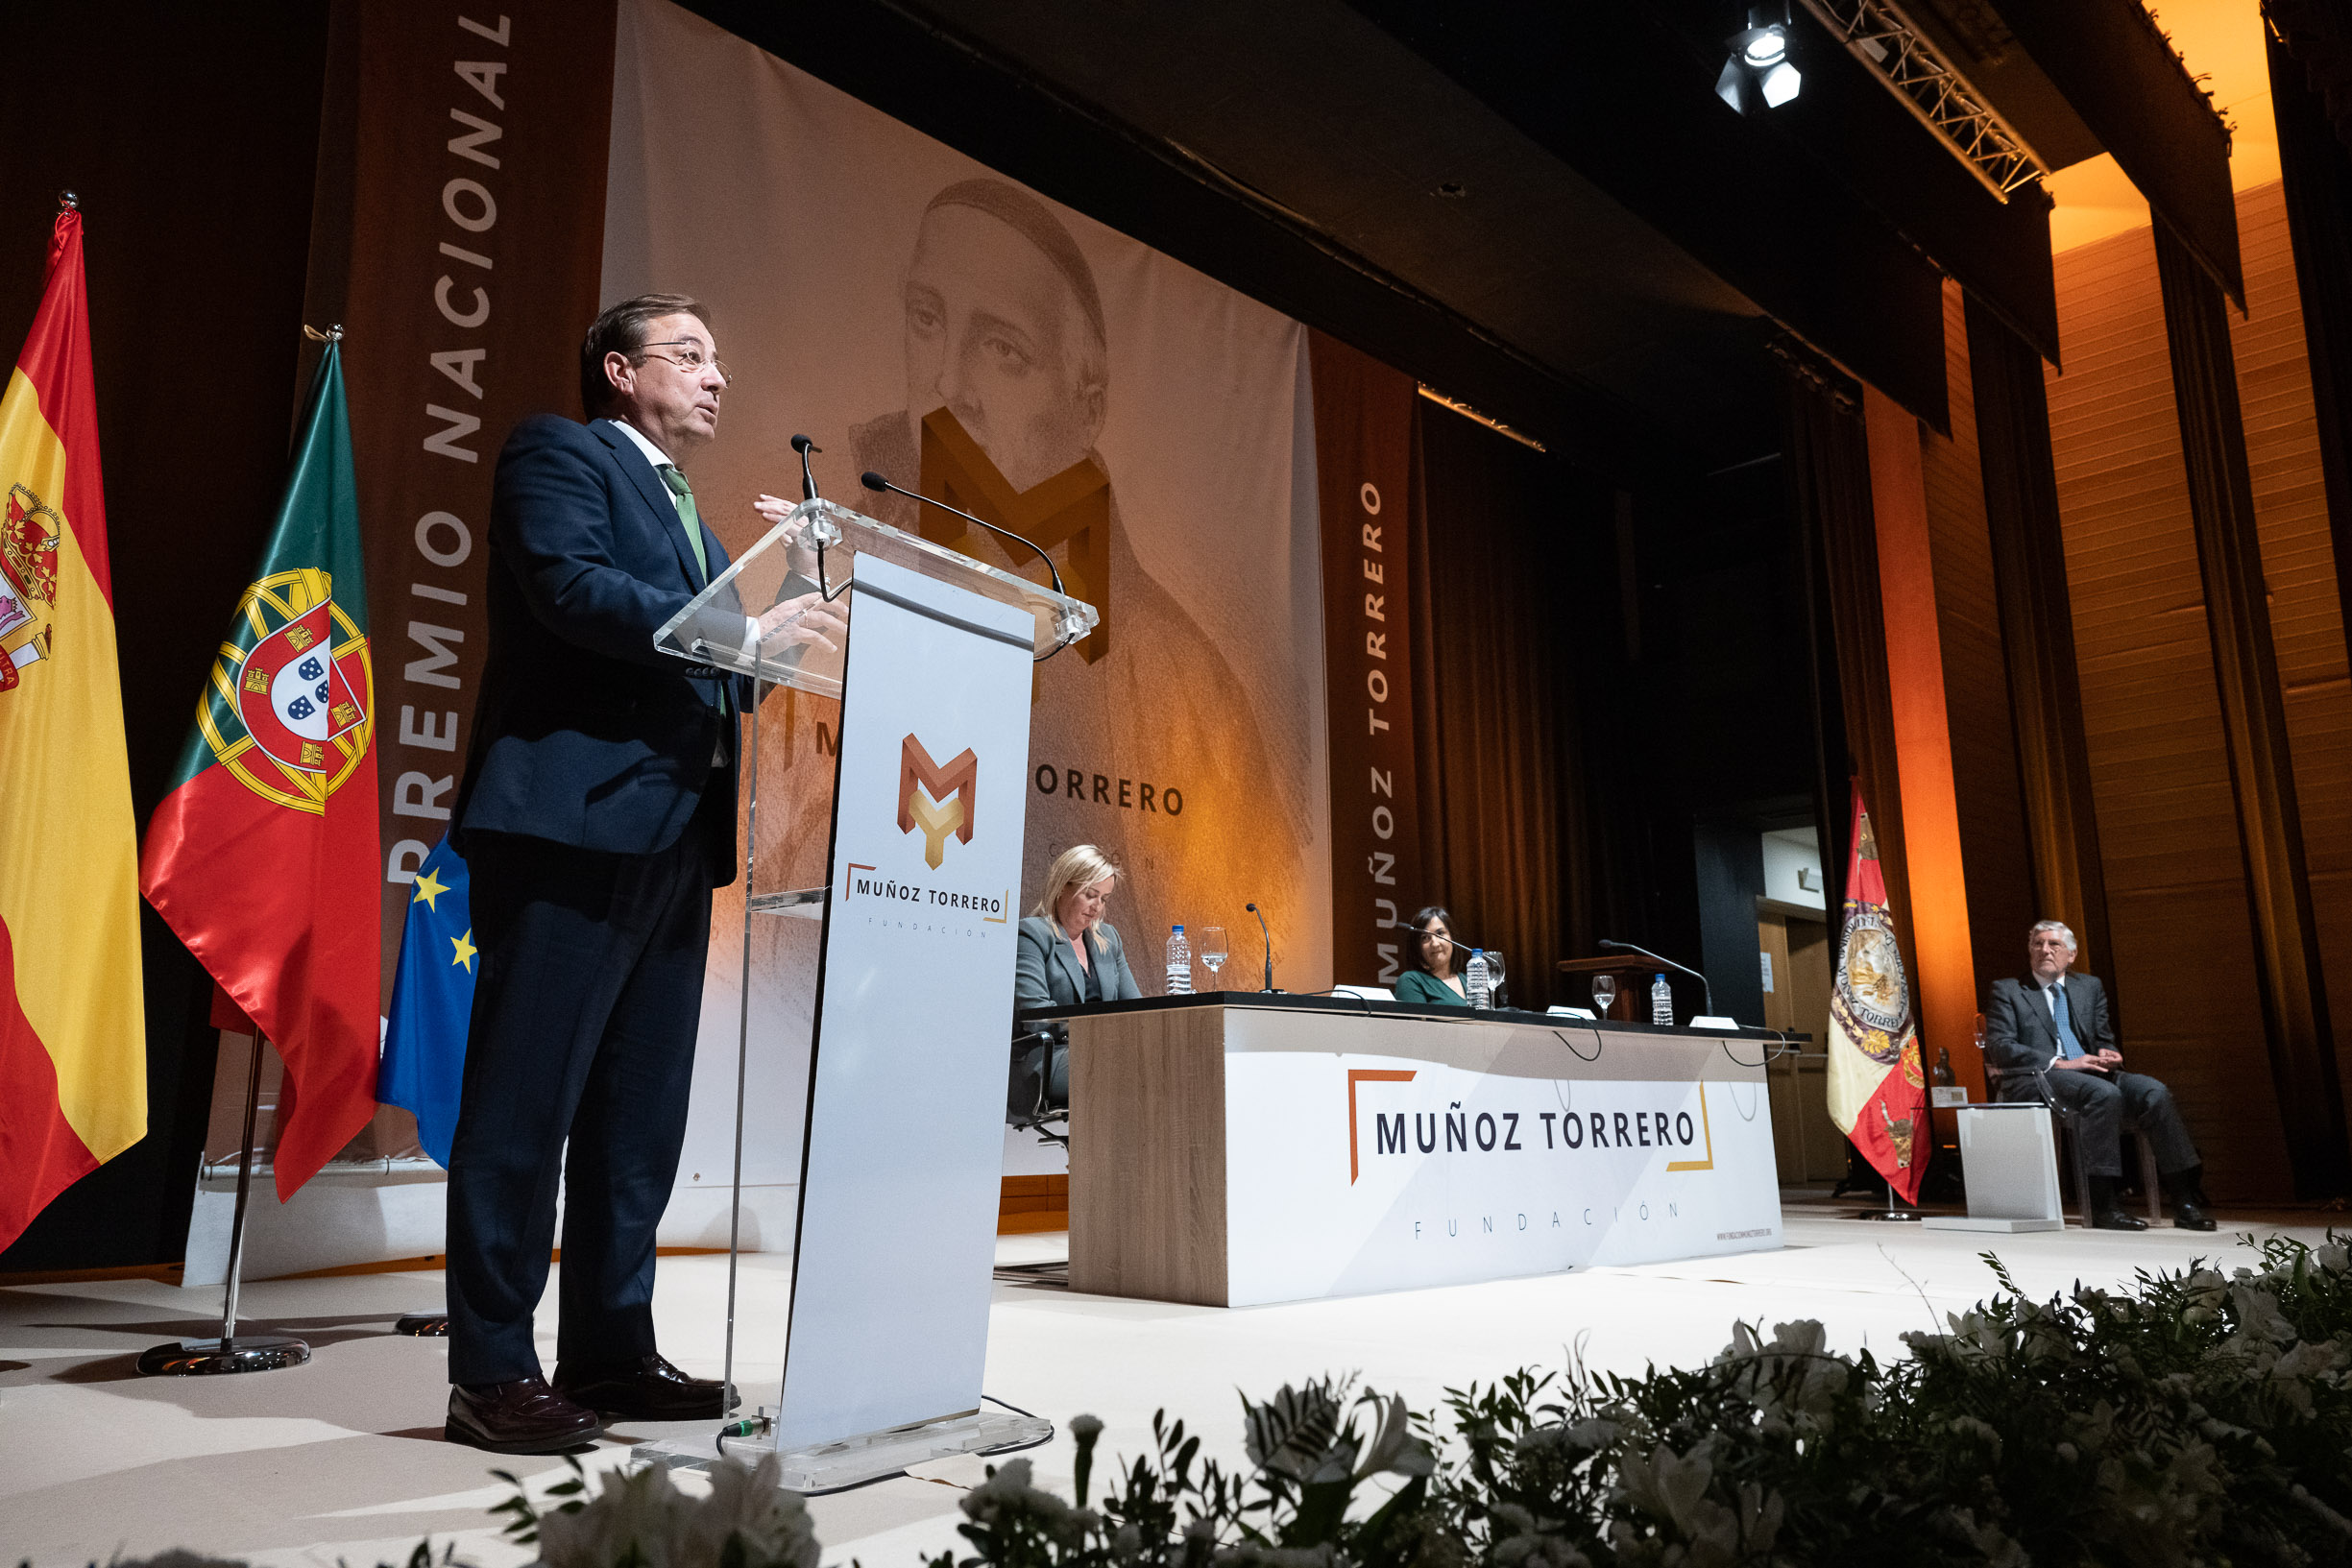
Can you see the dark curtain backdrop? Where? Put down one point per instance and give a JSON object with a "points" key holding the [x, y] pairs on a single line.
{"points": [[1828, 480], [1515, 579], [191, 134]]}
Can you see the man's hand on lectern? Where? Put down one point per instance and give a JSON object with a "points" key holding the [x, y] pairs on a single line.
{"points": [[806, 620], [798, 557]]}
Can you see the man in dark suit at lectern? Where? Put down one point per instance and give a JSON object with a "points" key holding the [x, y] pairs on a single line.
{"points": [[2051, 1035], [596, 814]]}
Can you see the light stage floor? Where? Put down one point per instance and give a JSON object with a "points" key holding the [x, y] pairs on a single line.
{"points": [[343, 1458]]}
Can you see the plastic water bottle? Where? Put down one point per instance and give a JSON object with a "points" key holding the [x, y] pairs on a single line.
{"points": [[1475, 979], [1180, 963], [1661, 1003]]}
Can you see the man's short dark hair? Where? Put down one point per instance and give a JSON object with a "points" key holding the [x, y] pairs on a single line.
{"points": [[622, 331]]}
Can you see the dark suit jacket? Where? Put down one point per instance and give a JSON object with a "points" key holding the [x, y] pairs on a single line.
{"points": [[584, 733], [1045, 971], [2019, 1036]]}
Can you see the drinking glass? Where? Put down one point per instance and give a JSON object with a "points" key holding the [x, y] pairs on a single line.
{"points": [[1213, 951], [1604, 993], [1494, 976]]}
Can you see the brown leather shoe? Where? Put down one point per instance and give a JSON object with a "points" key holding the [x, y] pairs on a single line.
{"points": [[646, 1389], [524, 1416]]}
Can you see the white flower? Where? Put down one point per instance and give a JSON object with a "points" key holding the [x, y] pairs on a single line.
{"points": [[642, 1512], [774, 1524], [1394, 1447]]}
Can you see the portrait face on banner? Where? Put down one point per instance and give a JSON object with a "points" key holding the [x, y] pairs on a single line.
{"points": [[919, 315], [1004, 335]]}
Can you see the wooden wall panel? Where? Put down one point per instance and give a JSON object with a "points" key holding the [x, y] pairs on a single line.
{"points": [[2182, 973], [1943, 967], [2281, 440], [1992, 835]]}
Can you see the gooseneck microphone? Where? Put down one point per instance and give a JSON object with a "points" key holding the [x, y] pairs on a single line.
{"points": [[1708, 990], [1268, 942], [1408, 926], [876, 482], [807, 481]]}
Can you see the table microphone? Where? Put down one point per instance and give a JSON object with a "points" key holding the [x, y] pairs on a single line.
{"points": [[1269, 943], [807, 481], [876, 482], [1408, 926], [1628, 947]]}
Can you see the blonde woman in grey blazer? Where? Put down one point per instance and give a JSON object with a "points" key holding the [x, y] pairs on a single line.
{"points": [[1069, 954]]}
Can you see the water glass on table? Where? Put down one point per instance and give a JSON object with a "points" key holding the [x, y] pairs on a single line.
{"points": [[1604, 993], [1214, 951]]}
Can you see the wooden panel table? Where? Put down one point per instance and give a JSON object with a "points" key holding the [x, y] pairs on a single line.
{"points": [[1237, 1149]]}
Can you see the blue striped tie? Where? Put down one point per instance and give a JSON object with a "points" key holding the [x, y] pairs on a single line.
{"points": [[2068, 1045]]}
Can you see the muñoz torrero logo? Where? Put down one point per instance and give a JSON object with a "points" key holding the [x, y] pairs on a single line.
{"points": [[938, 800], [289, 709]]}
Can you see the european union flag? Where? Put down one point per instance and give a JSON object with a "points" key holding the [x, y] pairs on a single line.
{"points": [[432, 998]]}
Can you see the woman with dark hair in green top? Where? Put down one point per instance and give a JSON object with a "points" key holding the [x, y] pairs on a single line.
{"points": [[1435, 979]]}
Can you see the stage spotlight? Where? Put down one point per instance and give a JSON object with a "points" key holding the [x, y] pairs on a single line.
{"points": [[1759, 70]]}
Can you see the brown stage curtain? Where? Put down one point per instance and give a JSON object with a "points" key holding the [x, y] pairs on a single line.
{"points": [[1828, 477], [1496, 528]]}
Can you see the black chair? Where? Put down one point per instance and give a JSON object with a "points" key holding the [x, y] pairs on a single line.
{"points": [[1029, 1105], [2150, 1183]]}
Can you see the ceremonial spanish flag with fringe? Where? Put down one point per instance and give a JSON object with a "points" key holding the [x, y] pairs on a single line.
{"points": [[1877, 1095], [264, 856], [73, 1046]]}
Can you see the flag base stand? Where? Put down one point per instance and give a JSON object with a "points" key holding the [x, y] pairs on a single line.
{"points": [[1897, 1215], [423, 1325], [244, 1353], [232, 1352]]}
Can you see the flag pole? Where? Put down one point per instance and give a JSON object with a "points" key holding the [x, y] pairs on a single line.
{"points": [[255, 1352]]}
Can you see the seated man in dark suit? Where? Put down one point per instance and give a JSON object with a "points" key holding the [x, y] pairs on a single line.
{"points": [[2051, 1036]]}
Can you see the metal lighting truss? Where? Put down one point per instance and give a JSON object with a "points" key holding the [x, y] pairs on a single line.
{"points": [[1878, 34]]}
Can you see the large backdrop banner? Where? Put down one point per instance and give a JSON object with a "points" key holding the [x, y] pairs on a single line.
{"points": [[918, 314]]}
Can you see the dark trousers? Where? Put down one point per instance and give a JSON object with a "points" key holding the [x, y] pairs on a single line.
{"points": [[585, 1011], [2101, 1103]]}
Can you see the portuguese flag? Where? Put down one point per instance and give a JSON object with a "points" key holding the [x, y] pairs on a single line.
{"points": [[264, 857], [73, 1049], [1877, 1095]]}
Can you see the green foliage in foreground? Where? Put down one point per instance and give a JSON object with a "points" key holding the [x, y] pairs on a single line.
{"points": [[2193, 1418], [2190, 1420]]}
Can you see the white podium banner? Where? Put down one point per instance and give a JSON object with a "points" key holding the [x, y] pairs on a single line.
{"points": [[900, 1174], [1450, 1165]]}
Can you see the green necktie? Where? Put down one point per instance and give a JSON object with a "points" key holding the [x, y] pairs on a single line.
{"points": [[681, 496]]}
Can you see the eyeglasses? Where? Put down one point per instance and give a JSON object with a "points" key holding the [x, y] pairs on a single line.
{"points": [[692, 361]]}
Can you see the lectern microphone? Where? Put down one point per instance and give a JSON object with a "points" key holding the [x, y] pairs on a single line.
{"points": [[876, 482], [1268, 942], [1628, 947], [807, 481]]}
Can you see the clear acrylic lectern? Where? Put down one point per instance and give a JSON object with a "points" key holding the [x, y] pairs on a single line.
{"points": [[822, 549]]}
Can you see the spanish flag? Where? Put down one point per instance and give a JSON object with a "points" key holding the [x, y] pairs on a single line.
{"points": [[73, 1048], [264, 857]]}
